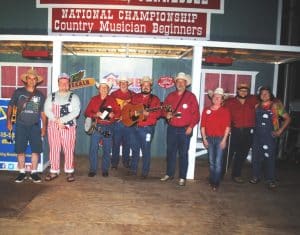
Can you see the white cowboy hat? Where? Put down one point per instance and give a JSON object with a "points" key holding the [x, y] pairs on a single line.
{"points": [[146, 79], [33, 73], [105, 82], [185, 77], [124, 79], [217, 91]]}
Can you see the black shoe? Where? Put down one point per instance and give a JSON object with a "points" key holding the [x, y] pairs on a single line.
{"points": [[20, 178], [35, 178], [91, 174], [105, 174], [254, 180]]}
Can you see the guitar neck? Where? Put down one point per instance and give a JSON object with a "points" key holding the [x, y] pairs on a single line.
{"points": [[153, 109]]}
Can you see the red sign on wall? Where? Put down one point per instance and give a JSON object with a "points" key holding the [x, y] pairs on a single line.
{"points": [[166, 18], [193, 4], [119, 21]]}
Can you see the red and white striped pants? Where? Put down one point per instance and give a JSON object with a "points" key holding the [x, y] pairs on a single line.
{"points": [[61, 138]]}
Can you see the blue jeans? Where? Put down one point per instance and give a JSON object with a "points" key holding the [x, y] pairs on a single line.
{"points": [[121, 137], [177, 140], [102, 134], [215, 154], [141, 139], [267, 156]]}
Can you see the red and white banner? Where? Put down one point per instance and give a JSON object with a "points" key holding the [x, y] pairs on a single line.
{"points": [[137, 22], [192, 4]]}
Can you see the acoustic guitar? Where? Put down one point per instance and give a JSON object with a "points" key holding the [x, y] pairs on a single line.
{"points": [[133, 113]]}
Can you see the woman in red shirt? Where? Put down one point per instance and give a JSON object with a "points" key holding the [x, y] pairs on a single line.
{"points": [[215, 127]]}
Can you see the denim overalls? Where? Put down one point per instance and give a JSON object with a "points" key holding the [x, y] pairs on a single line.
{"points": [[264, 144]]}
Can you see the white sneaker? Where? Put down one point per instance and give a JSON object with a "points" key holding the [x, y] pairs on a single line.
{"points": [[181, 182], [166, 178]]}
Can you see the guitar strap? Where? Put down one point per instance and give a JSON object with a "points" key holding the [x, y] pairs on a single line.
{"points": [[179, 102], [102, 104], [149, 101]]}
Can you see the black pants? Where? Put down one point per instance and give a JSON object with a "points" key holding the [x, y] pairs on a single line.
{"points": [[240, 143]]}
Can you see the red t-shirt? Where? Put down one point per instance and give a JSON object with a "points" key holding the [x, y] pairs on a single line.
{"points": [[121, 95], [149, 101], [95, 104], [188, 109], [215, 121], [242, 115]]}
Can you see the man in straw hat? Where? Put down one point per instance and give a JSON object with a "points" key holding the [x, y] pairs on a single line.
{"points": [[29, 102], [242, 111], [183, 117], [121, 136], [143, 131], [62, 108], [104, 109]]}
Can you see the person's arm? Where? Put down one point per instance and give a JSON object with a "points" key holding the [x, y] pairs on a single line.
{"points": [[279, 108], [225, 137], [195, 115], [203, 133], [44, 124], [286, 121], [48, 108]]}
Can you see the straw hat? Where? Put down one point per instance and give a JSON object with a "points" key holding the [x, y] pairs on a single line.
{"points": [[185, 77], [31, 72]]}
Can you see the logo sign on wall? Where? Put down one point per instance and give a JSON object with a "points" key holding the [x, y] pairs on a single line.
{"points": [[172, 18], [166, 82], [133, 68], [79, 81]]}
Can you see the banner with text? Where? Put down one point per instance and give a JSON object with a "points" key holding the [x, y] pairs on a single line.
{"points": [[167, 18], [138, 22]]}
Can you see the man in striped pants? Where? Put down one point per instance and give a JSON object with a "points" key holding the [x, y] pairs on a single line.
{"points": [[62, 108]]}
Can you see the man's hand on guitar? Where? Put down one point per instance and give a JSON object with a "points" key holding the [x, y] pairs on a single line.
{"points": [[146, 113], [169, 115], [111, 115]]}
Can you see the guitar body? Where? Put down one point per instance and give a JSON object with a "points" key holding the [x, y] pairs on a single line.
{"points": [[128, 114]]}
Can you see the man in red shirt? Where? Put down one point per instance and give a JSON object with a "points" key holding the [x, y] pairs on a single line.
{"points": [[242, 111], [103, 108], [121, 132], [143, 130], [182, 118]]}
